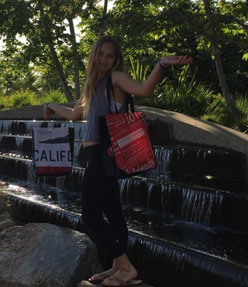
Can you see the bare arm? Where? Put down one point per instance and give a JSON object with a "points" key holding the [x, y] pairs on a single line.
{"points": [[126, 83], [71, 114]]}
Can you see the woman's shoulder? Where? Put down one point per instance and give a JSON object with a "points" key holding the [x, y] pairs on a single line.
{"points": [[118, 76]]}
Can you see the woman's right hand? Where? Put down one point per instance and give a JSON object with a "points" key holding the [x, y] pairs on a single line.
{"points": [[175, 60], [47, 112]]}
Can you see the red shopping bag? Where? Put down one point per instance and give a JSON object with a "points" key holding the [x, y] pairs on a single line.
{"points": [[130, 142]]}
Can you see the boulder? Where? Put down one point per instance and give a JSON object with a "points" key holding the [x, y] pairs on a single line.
{"points": [[45, 255]]}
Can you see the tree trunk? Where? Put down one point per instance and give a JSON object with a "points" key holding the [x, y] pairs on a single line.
{"points": [[58, 66], [60, 71], [105, 10], [219, 68], [104, 17], [75, 58]]}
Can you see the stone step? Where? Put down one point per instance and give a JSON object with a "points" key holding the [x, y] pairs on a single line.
{"points": [[206, 206], [220, 169]]}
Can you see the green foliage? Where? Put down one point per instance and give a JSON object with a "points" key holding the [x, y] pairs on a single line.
{"points": [[145, 29], [138, 70], [218, 112], [186, 96], [242, 105], [22, 98], [3, 102], [53, 96], [15, 73], [29, 98]]}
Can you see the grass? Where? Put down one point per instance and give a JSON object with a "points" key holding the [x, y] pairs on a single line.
{"points": [[29, 98]]}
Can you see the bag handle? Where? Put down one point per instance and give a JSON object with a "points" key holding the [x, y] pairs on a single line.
{"points": [[110, 90]]}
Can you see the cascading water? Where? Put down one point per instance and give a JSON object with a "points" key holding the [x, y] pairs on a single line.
{"points": [[187, 218]]}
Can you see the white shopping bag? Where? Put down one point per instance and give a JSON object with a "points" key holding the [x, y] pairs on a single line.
{"points": [[53, 150]]}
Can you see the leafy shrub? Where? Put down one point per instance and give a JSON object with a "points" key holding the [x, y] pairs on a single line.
{"points": [[29, 98], [242, 105], [184, 95], [3, 102], [138, 70], [23, 98], [218, 112], [53, 96]]}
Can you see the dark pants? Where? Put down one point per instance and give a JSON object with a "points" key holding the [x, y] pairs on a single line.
{"points": [[101, 207]]}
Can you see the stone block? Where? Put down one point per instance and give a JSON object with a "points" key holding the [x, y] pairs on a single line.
{"points": [[45, 255]]}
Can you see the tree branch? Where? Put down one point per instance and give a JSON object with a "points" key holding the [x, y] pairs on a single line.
{"points": [[242, 24]]}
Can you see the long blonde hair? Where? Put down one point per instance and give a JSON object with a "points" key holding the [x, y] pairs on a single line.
{"points": [[92, 73]]}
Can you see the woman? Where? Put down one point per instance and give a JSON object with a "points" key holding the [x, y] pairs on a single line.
{"points": [[101, 206]]}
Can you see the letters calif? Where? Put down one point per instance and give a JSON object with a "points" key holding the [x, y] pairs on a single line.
{"points": [[53, 156]]}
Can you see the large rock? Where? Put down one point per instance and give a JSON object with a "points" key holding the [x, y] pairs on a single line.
{"points": [[45, 255], [5, 218]]}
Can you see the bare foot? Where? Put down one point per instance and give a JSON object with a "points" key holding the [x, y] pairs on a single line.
{"points": [[121, 277], [103, 275]]}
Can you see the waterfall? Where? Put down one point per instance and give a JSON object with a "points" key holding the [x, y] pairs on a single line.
{"points": [[186, 219]]}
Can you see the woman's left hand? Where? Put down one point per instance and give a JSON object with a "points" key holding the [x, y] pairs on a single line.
{"points": [[175, 60], [47, 112]]}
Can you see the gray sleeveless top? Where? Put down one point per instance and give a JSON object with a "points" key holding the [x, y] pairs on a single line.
{"points": [[99, 107]]}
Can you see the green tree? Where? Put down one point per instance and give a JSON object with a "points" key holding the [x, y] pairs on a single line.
{"points": [[146, 30], [44, 25], [15, 73]]}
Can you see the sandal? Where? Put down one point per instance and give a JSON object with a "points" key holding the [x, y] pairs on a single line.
{"points": [[111, 281]]}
